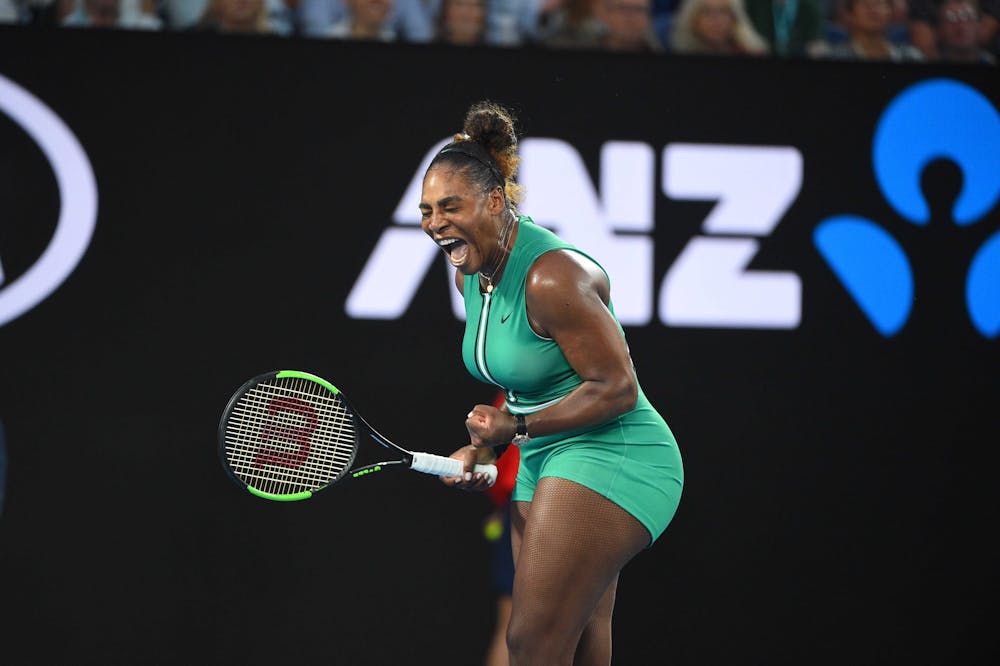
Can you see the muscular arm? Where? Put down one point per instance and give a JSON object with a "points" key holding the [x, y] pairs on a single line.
{"points": [[567, 297]]}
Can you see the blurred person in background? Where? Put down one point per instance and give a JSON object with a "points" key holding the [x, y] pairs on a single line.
{"points": [[564, 22], [867, 23], [664, 13], [719, 27], [409, 20], [791, 27], [574, 25], [958, 31], [925, 17], [614, 25], [187, 14], [514, 22], [34, 12], [125, 14], [237, 16], [366, 20], [10, 12], [898, 31], [629, 25], [462, 22]]}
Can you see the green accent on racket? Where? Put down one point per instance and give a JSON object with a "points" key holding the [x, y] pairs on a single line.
{"points": [[280, 498], [306, 375]]}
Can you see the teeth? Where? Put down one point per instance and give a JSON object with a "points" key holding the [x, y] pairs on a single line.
{"points": [[445, 242]]}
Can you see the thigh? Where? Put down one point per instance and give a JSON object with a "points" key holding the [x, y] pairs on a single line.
{"points": [[570, 543], [518, 515]]}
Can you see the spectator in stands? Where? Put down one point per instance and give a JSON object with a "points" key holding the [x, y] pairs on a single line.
{"points": [[617, 25], [462, 22], [410, 20], [791, 27], [126, 14], [719, 27], [867, 23], [899, 19], [186, 14], [365, 19], [10, 12], [958, 33], [34, 12], [557, 18], [925, 15], [629, 25], [237, 16], [574, 25], [183, 14], [39, 12], [513, 22], [898, 31], [664, 13]]}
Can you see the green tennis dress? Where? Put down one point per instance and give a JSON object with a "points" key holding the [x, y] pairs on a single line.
{"points": [[633, 460]]}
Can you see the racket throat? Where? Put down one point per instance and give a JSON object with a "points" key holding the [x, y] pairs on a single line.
{"points": [[377, 467]]}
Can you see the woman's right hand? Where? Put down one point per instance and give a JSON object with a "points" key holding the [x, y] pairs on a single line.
{"points": [[489, 426]]}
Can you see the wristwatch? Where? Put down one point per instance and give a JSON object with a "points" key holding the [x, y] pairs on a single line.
{"points": [[521, 438]]}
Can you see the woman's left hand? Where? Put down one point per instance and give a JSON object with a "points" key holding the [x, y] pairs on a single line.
{"points": [[471, 456]]}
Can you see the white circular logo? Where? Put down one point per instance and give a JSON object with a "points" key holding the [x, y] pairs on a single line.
{"points": [[77, 202]]}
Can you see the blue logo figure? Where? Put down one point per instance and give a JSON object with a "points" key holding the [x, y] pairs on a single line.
{"points": [[934, 119]]}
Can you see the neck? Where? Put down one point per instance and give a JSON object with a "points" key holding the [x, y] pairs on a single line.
{"points": [[492, 269]]}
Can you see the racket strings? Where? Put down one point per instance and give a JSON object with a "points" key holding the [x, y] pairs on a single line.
{"points": [[289, 435]]}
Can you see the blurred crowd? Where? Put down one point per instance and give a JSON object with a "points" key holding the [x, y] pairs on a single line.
{"points": [[963, 31]]}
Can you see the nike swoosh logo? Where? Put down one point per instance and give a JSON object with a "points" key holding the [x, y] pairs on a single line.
{"points": [[504, 318]]}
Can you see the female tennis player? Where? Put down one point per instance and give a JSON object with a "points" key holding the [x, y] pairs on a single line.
{"points": [[601, 474]]}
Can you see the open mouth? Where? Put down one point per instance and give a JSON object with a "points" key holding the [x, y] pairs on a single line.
{"points": [[456, 249]]}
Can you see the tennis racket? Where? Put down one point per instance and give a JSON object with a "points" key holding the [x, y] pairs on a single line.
{"points": [[286, 435]]}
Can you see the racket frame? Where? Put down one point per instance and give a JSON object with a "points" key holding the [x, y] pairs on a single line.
{"points": [[406, 457]]}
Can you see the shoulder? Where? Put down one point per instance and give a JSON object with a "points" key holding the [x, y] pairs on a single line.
{"points": [[562, 273]]}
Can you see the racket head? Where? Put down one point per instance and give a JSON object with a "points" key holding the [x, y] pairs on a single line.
{"points": [[286, 435]]}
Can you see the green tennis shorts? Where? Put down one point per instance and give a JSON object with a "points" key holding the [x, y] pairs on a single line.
{"points": [[633, 461]]}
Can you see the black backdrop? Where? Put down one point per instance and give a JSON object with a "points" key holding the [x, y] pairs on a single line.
{"points": [[841, 496]]}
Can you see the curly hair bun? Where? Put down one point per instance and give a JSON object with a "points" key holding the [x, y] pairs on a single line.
{"points": [[492, 127]]}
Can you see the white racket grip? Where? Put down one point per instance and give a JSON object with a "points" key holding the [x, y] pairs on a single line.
{"points": [[428, 463]]}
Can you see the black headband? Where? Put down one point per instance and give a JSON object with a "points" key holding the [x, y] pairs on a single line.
{"points": [[477, 152]]}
